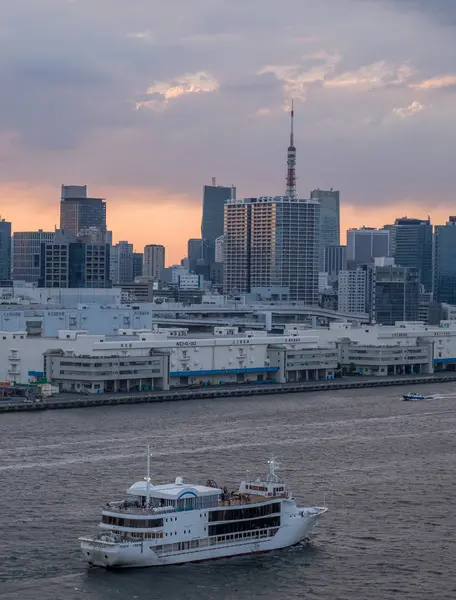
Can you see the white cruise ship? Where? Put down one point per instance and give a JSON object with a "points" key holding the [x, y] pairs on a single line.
{"points": [[181, 522]]}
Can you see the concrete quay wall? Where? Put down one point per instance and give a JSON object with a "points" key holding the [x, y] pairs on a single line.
{"points": [[221, 392]]}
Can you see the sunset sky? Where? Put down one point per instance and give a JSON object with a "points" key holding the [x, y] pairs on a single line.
{"points": [[146, 100]]}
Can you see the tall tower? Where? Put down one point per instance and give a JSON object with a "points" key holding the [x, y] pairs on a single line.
{"points": [[291, 161]]}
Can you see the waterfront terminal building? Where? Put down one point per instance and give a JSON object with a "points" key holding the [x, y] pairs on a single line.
{"points": [[143, 358]]}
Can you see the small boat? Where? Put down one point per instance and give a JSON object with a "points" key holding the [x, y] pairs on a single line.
{"points": [[415, 397]]}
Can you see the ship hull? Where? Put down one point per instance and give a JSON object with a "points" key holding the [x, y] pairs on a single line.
{"points": [[142, 554]]}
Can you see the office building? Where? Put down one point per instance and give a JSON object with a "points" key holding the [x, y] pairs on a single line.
{"points": [[214, 198], [393, 292], [413, 247], [352, 291], [445, 262], [194, 252], [272, 242], [335, 260], [66, 262], [73, 191], [81, 216], [366, 244], [121, 263], [27, 254], [138, 258], [329, 219], [5, 249], [153, 261], [220, 249]]}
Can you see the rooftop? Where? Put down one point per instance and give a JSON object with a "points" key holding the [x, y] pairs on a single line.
{"points": [[172, 491]]}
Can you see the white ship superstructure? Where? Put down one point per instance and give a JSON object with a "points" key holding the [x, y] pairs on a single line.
{"points": [[180, 522]]}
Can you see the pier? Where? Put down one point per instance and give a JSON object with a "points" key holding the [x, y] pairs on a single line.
{"points": [[65, 401]]}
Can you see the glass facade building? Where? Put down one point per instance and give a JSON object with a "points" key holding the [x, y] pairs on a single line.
{"points": [[84, 218], [5, 249], [214, 198], [27, 254], [366, 244], [413, 247], [445, 262], [393, 294]]}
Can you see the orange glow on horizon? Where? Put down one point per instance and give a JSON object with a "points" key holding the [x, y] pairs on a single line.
{"points": [[157, 217]]}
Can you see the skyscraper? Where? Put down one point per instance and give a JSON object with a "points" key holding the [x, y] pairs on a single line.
{"points": [[154, 261], [335, 260], [5, 249], [413, 247], [137, 264], [121, 263], [365, 244], [445, 262], [272, 243], [194, 252], [27, 254], [393, 292], [214, 198], [329, 216], [81, 216]]}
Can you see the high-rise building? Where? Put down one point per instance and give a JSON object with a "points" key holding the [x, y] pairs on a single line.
{"points": [[5, 249], [27, 254], [121, 263], [366, 244], [137, 264], [393, 292], [445, 262], [272, 242], [67, 262], [214, 198], [194, 252], [153, 261], [220, 249], [81, 216], [335, 260], [352, 292], [329, 219], [413, 247], [73, 191]]}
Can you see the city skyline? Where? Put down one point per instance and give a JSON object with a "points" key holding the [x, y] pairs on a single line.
{"points": [[160, 112]]}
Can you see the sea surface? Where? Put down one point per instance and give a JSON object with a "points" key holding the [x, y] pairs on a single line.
{"points": [[386, 469]]}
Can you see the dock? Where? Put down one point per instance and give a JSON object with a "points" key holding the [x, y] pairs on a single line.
{"points": [[66, 401]]}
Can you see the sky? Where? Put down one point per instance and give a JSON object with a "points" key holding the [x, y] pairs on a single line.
{"points": [[145, 101]]}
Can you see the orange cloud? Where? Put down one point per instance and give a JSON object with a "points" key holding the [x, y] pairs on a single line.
{"points": [[438, 82]]}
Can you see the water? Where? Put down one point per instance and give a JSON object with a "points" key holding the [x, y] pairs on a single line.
{"points": [[385, 466]]}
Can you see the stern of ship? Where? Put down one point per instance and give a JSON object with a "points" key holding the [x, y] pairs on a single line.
{"points": [[114, 554]]}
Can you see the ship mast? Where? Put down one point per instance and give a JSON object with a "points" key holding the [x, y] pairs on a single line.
{"points": [[148, 477]]}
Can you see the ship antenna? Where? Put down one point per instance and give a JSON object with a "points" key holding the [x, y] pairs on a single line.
{"points": [[148, 477], [291, 160], [273, 467]]}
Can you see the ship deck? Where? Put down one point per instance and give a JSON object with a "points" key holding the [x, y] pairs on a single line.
{"points": [[234, 499]]}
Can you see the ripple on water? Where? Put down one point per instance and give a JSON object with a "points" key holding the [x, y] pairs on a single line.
{"points": [[384, 466]]}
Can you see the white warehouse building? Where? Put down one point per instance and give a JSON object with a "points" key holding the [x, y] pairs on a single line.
{"points": [[158, 359]]}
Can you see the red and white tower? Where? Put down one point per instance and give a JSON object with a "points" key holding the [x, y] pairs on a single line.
{"points": [[291, 161]]}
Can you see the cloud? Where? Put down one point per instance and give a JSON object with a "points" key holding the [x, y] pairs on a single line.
{"points": [[409, 111], [164, 91], [438, 82], [298, 78], [210, 80]]}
